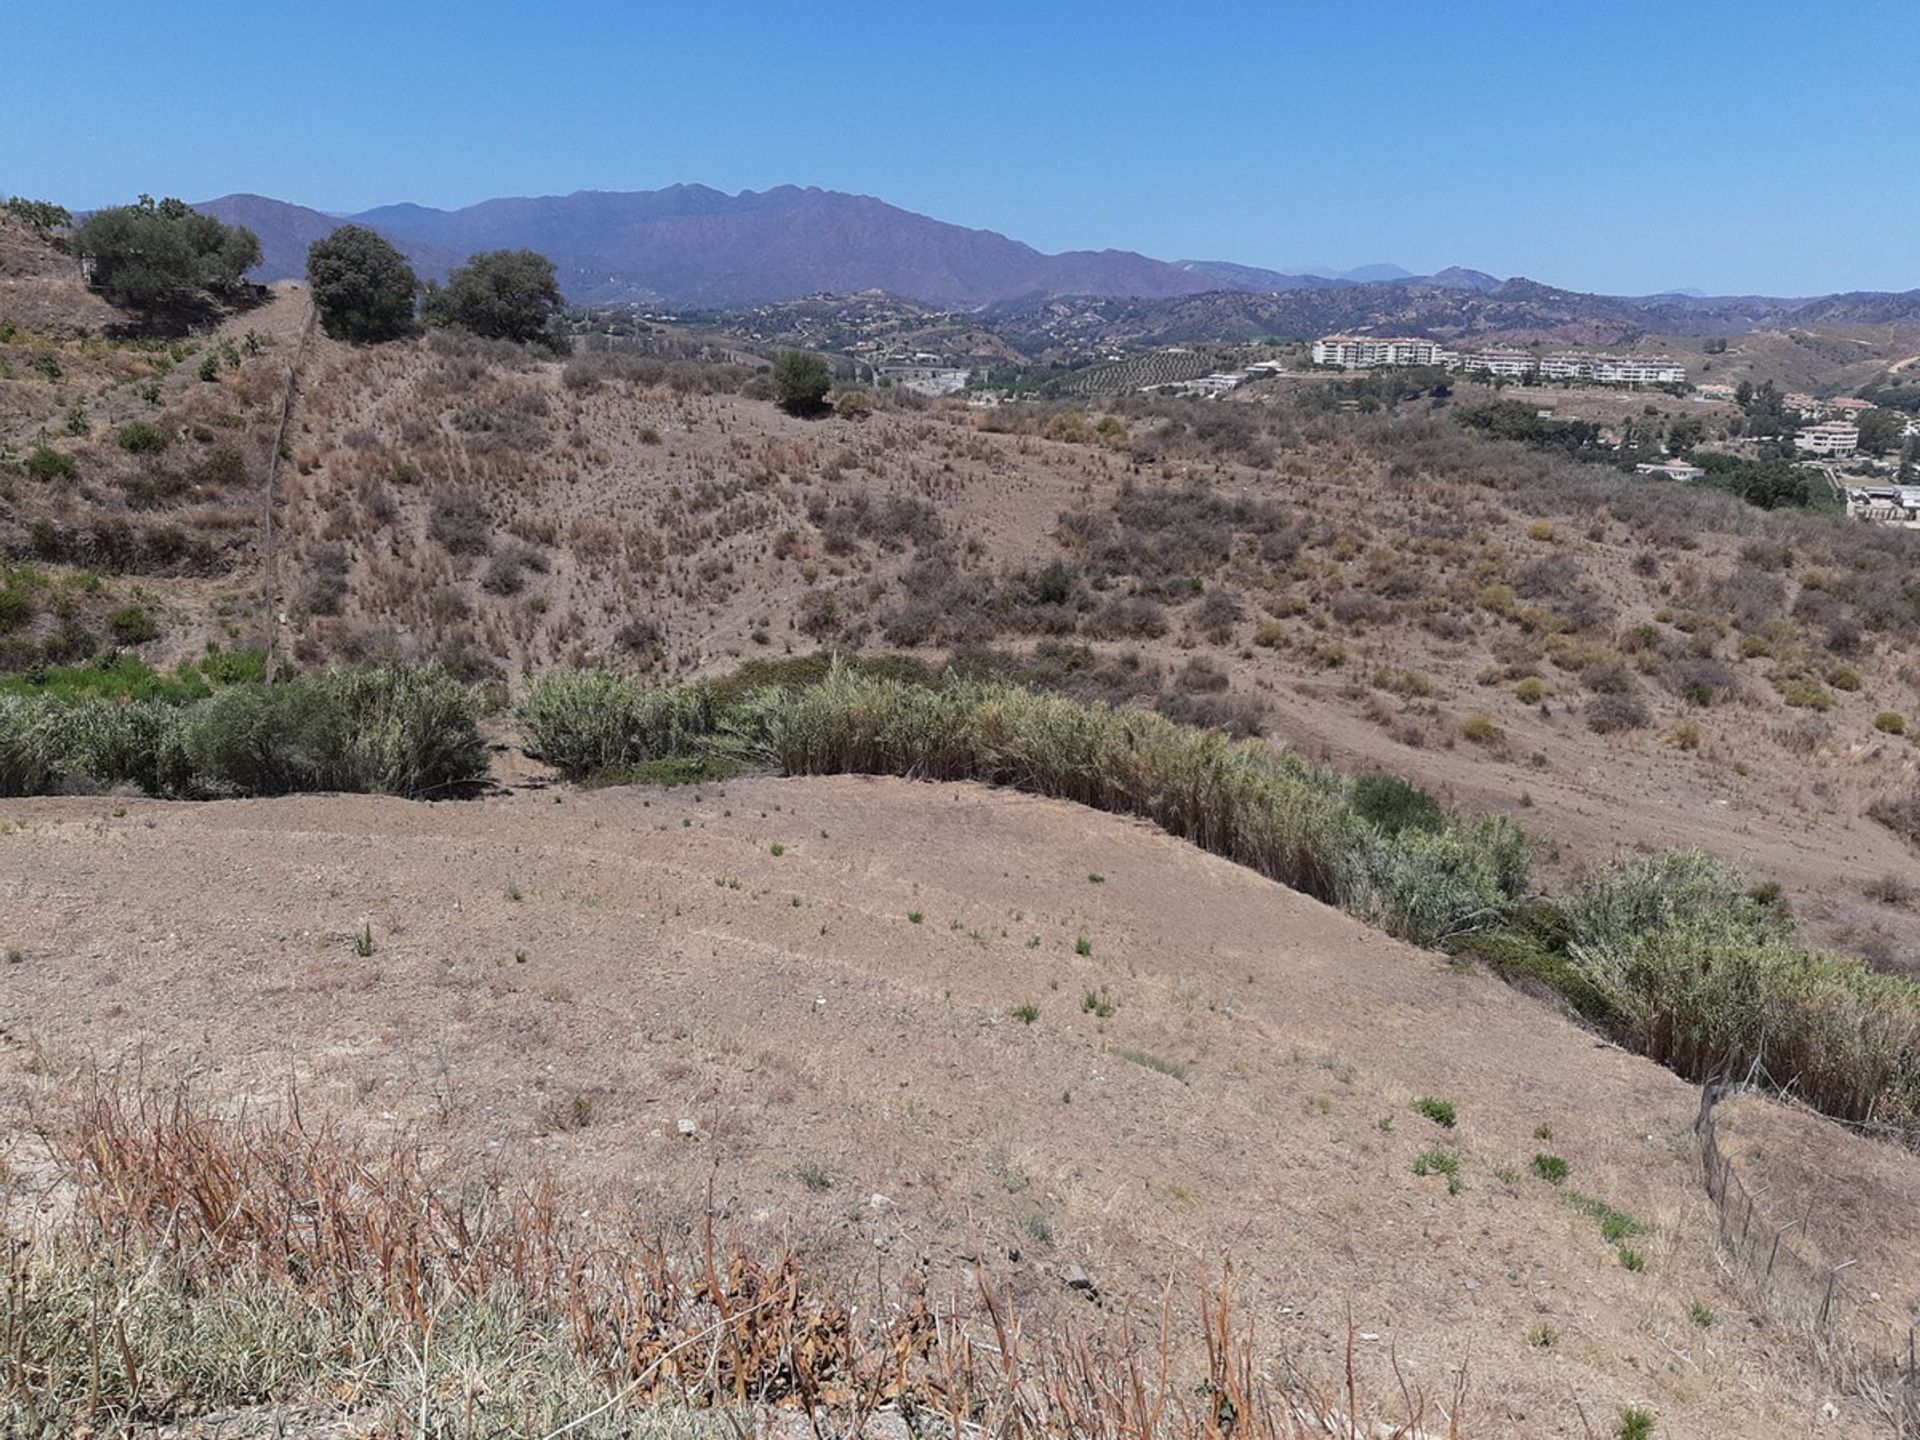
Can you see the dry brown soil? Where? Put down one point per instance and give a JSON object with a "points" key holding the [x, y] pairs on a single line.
{"points": [[561, 978]]}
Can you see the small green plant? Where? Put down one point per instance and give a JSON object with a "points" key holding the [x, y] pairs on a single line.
{"points": [[815, 1176], [1441, 1112], [1632, 1259], [1440, 1162], [1543, 1132], [1541, 1337], [1026, 1014], [210, 368], [1635, 1424], [520, 957], [1095, 1002], [1530, 691], [1096, 878], [1702, 1315], [1550, 1168], [514, 894], [1890, 722], [778, 849], [915, 917], [363, 945], [1615, 1225], [1083, 946]]}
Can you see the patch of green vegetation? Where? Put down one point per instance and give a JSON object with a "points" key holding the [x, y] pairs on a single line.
{"points": [[1441, 1112], [1542, 1337], [1615, 1225], [1439, 1161], [1632, 1259], [1083, 946], [1635, 1424], [1026, 1014], [45, 463], [1702, 1315], [1551, 1168], [1096, 1003]]}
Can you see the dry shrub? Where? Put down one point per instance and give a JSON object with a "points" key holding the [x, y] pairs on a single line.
{"points": [[206, 1262]]}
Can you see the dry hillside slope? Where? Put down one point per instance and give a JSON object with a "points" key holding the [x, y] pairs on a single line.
{"points": [[821, 976]]}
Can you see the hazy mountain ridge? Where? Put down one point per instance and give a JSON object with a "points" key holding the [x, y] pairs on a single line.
{"points": [[691, 245]]}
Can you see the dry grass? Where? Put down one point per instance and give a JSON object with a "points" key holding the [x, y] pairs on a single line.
{"points": [[203, 1263]]}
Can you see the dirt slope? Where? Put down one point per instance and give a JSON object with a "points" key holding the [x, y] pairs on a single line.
{"points": [[561, 979]]}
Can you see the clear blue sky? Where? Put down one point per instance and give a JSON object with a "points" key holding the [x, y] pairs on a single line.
{"points": [[1624, 146]]}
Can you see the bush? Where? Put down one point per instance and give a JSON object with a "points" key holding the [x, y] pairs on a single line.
{"points": [[362, 286], [138, 437], [1615, 711], [133, 626], [1890, 722], [46, 463], [1679, 958], [385, 730], [459, 523], [801, 380]]}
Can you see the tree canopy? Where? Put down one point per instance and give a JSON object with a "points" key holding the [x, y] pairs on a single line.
{"points": [[502, 295], [801, 380], [164, 259], [42, 216], [362, 286]]}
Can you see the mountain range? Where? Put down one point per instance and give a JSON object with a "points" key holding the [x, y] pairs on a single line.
{"points": [[689, 246]]}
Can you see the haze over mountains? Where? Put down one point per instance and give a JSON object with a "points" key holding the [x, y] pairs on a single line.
{"points": [[689, 245]]}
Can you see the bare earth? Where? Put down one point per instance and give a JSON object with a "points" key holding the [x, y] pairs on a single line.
{"points": [[560, 979]]}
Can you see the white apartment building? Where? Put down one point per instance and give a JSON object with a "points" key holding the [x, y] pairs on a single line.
{"points": [[1368, 352], [1833, 437], [1511, 363]]}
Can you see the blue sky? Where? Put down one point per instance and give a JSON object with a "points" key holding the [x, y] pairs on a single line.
{"points": [[1625, 147]]}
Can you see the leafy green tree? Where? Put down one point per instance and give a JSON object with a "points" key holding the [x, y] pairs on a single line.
{"points": [[502, 295], [42, 216], [1881, 431], [362, 286], [801, 380], [1684, 432], [164, 259]]}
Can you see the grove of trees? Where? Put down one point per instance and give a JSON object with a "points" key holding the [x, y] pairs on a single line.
{"points": [[362, 286], [164, 260]]}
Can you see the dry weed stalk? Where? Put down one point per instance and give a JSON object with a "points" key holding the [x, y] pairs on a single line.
{"points": [[324, 1220]]}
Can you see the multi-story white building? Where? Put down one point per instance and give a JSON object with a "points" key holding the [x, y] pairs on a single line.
{"points": [[1513, 364], [1833, 437], [1368, 352]]}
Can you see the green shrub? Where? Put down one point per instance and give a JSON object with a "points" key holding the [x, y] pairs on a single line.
{"points": [[1395, 805], [1550, 1168], [1441, 1112], [133, 625], [387, 730], [46, 463], [138, 437], [1890, 722]]}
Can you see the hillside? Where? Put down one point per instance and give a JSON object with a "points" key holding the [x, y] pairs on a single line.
{"points": [[41, 289], [799, 993]]}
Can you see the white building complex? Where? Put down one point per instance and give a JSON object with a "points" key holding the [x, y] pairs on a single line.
{"points": [[1366, 352], [1833, 437]]}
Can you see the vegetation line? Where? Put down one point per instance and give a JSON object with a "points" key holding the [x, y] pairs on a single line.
{"points": [[1674, 956]]}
